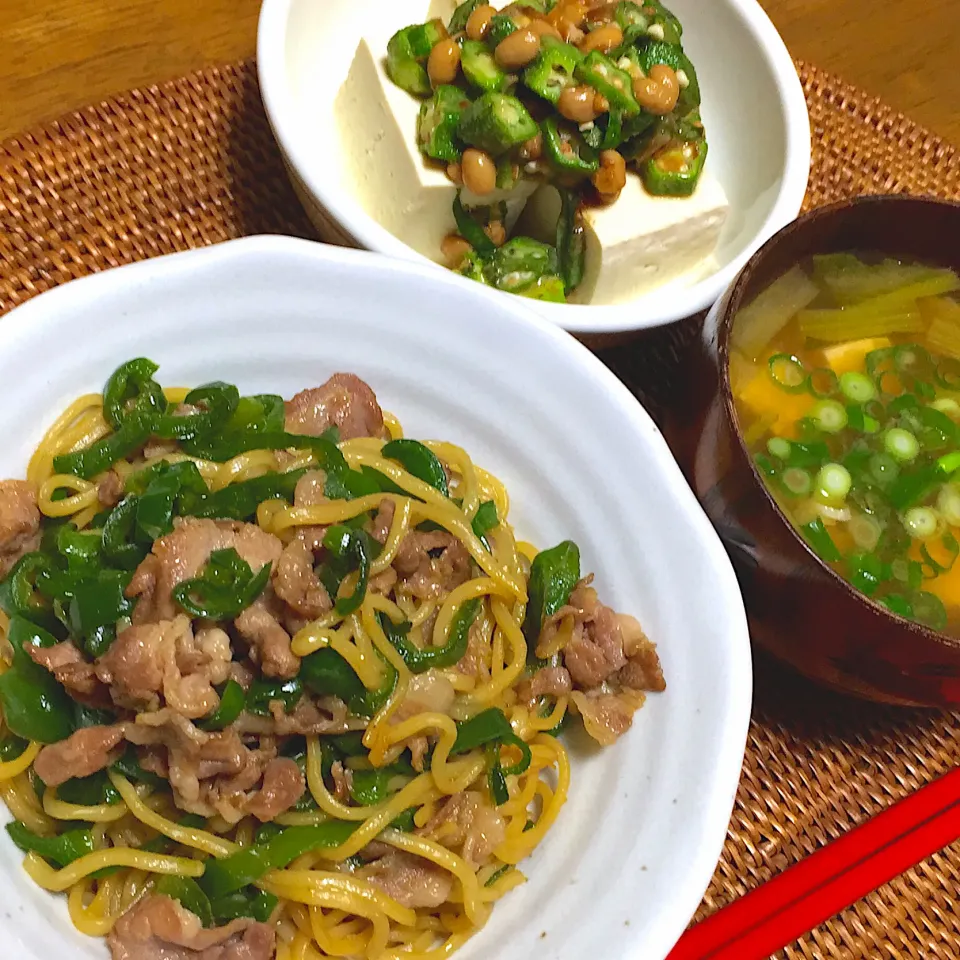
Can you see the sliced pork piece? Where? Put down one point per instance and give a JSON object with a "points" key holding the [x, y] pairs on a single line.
{"points": [[344, 402], [182, 555], [428, 576], [283, 786], [296, 583], [595, 651], [19, 523], [150, 661], [411, 881], [68, 666], [270, 643], [158, 928], [84, 752], [607, 716], [466, 822]]}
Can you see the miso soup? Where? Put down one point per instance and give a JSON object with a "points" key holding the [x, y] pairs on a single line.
{"points": [[846, 379]]}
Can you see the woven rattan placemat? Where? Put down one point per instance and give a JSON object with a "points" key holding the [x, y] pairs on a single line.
{"points": [[193, 162]]}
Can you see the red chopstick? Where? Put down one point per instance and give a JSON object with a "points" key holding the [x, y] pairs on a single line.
{"points": [[837, 875]]}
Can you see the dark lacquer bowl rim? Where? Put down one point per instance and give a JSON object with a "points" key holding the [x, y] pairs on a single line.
{"points": [[727, 312]]}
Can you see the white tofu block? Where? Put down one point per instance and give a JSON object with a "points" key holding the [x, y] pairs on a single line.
{"points": [[639, 242], [395, 184]]}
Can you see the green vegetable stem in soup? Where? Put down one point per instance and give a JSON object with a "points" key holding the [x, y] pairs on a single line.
{"points": [[557, 93], [845, 374]]}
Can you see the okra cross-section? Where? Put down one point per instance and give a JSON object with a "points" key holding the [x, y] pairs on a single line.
{"points": [[495, 123]]}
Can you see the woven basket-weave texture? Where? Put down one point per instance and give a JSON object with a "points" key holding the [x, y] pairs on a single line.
{"points": [[193, 162]]}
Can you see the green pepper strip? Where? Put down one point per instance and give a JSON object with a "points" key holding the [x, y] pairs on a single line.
{"points": [[345, 543], [485, 520], [263, 692], [89, 791], [186, 891], [129, 766], [232, 701], [62, 849], [419, 460], [223, 877], [132, 434], [35, 706], [553, 575], [218, 402], [326, 673], [491, 729], [251, 902], [452, 652], [133, 379], [571, 241], [19, 595], [225, 588]]}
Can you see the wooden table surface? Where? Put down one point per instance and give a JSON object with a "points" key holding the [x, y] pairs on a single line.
{"points": [[56, 55]]}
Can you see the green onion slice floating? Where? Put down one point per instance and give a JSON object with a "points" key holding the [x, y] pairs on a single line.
{"points": [[901, 444], [834, 481], [858, 387], [779, 447], [829, 415], [796, 481], [788, 373], [823, 383]]}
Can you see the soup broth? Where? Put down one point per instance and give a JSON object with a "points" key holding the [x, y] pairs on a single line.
{"points": [[845, 375]]}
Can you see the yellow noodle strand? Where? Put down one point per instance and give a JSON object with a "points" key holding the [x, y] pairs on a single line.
{"points": [[84, 495], [59, 809], [442, 857], [322, 888], [188, 836], [58, 881], [20, 798], [13, 768], [398, 530]]}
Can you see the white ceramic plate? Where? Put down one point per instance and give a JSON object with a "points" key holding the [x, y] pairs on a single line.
{"points": [[633, 851], [753, 107]]}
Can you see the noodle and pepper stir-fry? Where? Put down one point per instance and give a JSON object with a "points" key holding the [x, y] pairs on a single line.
{"points": [[277, 682]]}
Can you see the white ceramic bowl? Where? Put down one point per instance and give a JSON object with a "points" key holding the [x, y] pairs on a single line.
{"points": [[753, 108], [633, 851]]}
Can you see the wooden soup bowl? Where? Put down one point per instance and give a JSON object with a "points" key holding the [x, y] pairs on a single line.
{"points": [[799, 609]]}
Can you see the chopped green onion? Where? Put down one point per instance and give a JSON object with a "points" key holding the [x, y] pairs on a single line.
{"points": [[797, 481], [778, 447], [834, 481], [829, 415], [921, 523], [901, 444], [865, 530], [823, 382], [788, 373], [948, 504], [858, 387], [898, 605], [820, 540], [930, 611], [949, 464], [870, 425]]}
